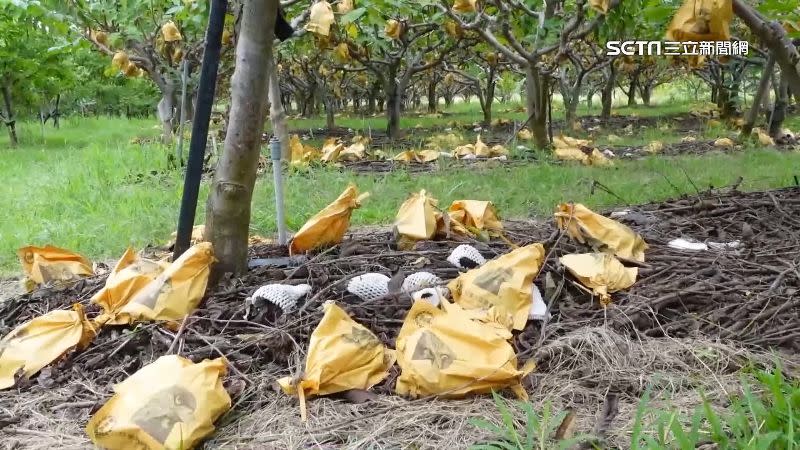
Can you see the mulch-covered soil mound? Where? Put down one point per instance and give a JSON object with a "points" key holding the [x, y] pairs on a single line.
{"points": [[748, 296]]}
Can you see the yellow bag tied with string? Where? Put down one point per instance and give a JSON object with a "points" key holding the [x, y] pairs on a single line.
{"points": [[174, 293], [171, 403], [320, 18], [600, 272], [588, 227], [417, 219], [328, 226], [393, 29], [344, 6], [353, 152], [701, 20], [476, 214], [502, 287], [302, 154], [331, 149], [464, 6], [52, 265], [342, 355], [131, 274], [33, 345], [447, 353]]}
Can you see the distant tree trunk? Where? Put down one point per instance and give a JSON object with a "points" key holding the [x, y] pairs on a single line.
{"points": [[761, 92], [433, 99], [634, 86], [714, 94], [166, 110], [645, 91], [488, 98], [590, 99], [448, 98], [330, 109], [8, 115], [228, 208], [394, 89], [607, 94], [536, 98], [779, 110]]}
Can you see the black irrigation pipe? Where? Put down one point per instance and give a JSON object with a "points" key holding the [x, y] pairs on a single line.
{"points": [[202, 115]]}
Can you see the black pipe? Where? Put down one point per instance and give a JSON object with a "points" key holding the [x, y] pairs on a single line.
{"points": [[202, 115]]}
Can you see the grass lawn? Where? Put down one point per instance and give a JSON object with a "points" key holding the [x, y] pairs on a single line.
{"points": [[88, 188]]}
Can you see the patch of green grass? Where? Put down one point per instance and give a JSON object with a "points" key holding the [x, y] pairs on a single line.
{"points": [[766, 416], [87, 188]]}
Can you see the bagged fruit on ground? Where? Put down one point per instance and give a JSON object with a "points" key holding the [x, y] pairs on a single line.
{"points": [[448, 353], [328, 226], [416, 219], [174, 293], [600, 272], [131, 274], [502, 287], [171, 403], [52, 265], [588, 227], [342, 355], [475, 214], [37, 343]]}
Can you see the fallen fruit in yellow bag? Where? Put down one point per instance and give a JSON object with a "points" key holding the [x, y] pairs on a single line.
{"points": [[174, 293], [52, 264], [320, 18], [481, 149], [36, 343], [446, 353], [588, 227], [476, 214], [131, 274], [331, 149], [600, 272], [342, 355], [416, 219], [701, 20], [502, 287], [197, 236], [328, 226], [171, 403]]}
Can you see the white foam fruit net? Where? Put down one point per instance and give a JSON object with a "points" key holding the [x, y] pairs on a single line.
{"points": [[369, 286], [465, 251], [420, 280], [281, 295]]}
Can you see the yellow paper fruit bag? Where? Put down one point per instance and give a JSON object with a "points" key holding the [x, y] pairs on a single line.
{"points": [[701, 20], [464, 6], [600, 6], [502, 287], [37, 343], [600, 272], [342, 355], [475, 214], [131, 274], [171, 403], [328, 226], [174, 293], [320, 18], [50, 264], [586, 226], [416, 219], [447, 353]]}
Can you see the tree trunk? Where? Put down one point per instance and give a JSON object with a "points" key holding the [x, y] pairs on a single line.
{"points": [[330, 120], [56, 113], [394, 98], [166, 111], [774, 36], [277, 113], [590, 99], [11, 123], [488, 98], [433, 99], [714, 94], [645, 91], [634, 86], [536, 95], [607, 94], [448, 98], [228, 207], [779, 110], [763, 87]]}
